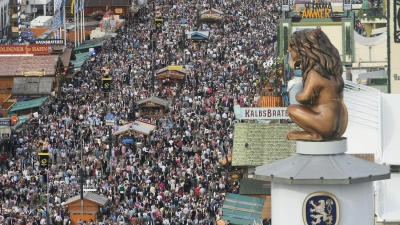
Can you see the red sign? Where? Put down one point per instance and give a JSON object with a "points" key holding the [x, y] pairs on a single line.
{"points": [[26, 49]]}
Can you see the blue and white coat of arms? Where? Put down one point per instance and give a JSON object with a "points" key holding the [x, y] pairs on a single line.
{"points": [[321, 208]]}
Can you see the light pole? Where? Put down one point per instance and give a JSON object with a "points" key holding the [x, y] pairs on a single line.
{"points": [[110, 146], [152, 65], [48, 198], [81, 171]]}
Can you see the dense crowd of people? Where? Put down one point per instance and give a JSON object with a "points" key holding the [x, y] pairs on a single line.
{"points": [[176, 174]]}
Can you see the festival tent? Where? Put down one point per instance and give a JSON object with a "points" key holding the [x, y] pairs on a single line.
{"points": [[137, 126]]}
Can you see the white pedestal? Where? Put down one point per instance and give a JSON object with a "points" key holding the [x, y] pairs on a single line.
{"points": [[321, 182], [356, 202]]}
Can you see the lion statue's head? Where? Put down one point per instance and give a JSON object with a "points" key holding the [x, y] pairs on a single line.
{"points": [[316, 51]]}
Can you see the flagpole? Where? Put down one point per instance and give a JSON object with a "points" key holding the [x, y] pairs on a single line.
{"points": [[80, 14], [78, 28], [75, 28], [65, 25], [83, 23]]}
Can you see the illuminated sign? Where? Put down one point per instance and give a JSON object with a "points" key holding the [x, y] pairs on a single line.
{"points": [[250, 113], [175, 67], [26, 49], [317, 10]]}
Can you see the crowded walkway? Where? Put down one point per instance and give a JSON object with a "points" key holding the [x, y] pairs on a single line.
{"points": [[176, 174]]}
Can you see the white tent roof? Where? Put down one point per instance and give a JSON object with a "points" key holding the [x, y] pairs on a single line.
{"points": [[370, 41], [138, 126]]}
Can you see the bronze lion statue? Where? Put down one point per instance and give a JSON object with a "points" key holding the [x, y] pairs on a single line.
{"points": [[322, 113]]}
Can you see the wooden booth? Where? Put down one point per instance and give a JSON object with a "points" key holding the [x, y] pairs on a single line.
{"points": [[170, 77], [91, 207], [211, 15], [152, 107]]}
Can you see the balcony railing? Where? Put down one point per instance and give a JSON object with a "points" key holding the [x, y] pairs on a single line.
{"points": [[372, 14]]}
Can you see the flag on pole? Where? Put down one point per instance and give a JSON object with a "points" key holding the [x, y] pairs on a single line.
{"points": [[56, 21], [72, 6], [57, 15], [76, 6], [57, 5], [82, 6]]}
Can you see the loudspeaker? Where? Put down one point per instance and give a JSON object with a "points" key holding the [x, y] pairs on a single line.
{"points": [[27, 2]]}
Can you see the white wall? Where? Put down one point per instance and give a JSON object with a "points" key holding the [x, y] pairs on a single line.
{"points": [[388, 199], [391, 128], [363, 128], [370, 51], [287, 202], [394, 56], [330, 31]]}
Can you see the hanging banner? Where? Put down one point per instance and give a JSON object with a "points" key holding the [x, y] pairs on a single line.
{"points": [[44, 159], [26, 49], [285, 5], [5, 122], [317, 10], [346, 5], [252, 113], [106, 84], [49, 41], [175, 67]]}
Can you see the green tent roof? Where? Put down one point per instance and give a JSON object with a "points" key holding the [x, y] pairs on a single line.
{"points": [[242, 210], [21, 120], [87, 46], [18, 106], [249, 186], [80, 59], [92, 43]]}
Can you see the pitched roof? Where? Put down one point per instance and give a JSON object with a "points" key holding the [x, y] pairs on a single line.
{"points": [[249, 186], [18, 106], [154, 99], [101, 200], [266, 143], [213, 10], [322, 169], [240, 209], [32, 85], [198, 35], [66, 56], [16, 65], [166, 69]]}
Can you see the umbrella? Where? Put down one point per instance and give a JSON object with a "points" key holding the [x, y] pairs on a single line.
{"points": [[25, 35], [127, 141]]}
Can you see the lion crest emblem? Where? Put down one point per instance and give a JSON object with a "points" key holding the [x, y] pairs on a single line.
{"points": [[321, 209]]}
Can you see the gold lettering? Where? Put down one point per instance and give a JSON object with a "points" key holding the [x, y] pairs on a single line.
{"points": [[316, 13], [327, 13], [11, 49], [307, 13]]}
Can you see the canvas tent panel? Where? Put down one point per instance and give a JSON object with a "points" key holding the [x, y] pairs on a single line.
{"points": [[32, 85], [140, 127], [239, 209], [27, 104]]}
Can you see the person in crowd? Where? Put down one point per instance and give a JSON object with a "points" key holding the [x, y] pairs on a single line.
{"points": [[174, 175]]}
